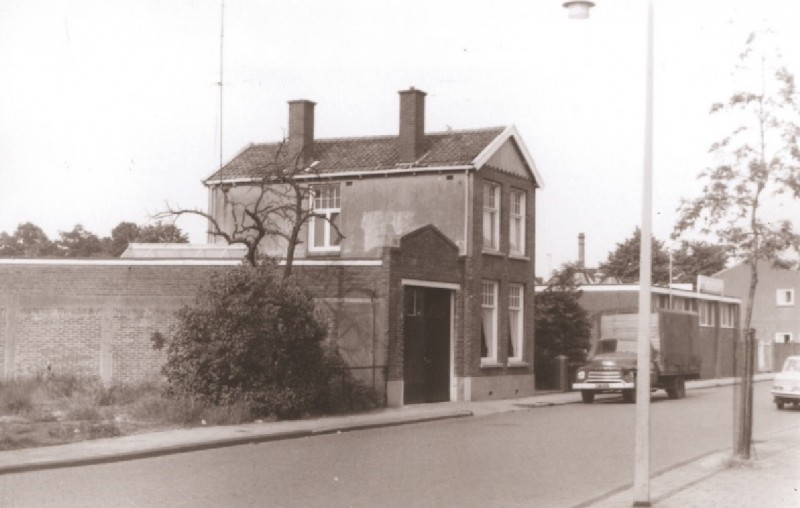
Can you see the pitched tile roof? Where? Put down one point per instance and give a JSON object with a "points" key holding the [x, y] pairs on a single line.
{"points": [[365, 154]]}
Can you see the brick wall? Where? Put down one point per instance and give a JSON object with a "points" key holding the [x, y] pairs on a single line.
{"points": [[504, 269], [90, 318]]}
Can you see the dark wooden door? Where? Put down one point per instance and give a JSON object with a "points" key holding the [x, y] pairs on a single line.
{"points": [[427, 345]]}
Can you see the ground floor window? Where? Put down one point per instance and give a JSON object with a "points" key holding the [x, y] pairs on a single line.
{"points": [[515, 322], [706, 314], [727, 315], [488, 322]]}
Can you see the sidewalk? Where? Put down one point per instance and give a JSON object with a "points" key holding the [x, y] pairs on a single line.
{"points": [[771, 478], [705, 482]]}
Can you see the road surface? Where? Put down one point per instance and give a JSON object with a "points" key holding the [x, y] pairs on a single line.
{"points": [[547, 456]]}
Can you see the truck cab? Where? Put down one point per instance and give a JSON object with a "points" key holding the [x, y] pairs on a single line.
{"points": [[611, 367]]}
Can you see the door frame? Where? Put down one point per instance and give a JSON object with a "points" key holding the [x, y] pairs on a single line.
{"points": [[452, 288]]}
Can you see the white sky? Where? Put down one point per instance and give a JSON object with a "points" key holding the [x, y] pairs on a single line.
{"points": [[109, 108]]}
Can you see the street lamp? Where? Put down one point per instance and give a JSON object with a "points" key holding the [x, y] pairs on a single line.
{"points": [[641, 476]]}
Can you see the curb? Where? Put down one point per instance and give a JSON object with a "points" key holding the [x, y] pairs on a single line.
{"points": [[159, 451]]}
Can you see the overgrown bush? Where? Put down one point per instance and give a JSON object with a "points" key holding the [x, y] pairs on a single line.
{"points": [[251, 337]]}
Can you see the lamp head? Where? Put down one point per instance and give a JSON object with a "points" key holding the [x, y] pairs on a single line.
{"points": [[578, 9]]}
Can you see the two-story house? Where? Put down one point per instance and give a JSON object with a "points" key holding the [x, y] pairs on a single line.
{"points": [[421, 250], [776, 312]]}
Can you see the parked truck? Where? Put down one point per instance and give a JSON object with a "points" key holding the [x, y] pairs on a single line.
{"points": [[611, 365]]}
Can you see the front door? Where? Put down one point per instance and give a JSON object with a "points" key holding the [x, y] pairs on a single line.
{"points": [[426, 330]]}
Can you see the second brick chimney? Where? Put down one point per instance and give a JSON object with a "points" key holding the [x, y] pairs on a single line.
{"points": [[581, 250], [412, 124], [301, 131]]}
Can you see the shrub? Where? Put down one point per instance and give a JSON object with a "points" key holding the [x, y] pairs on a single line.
{"points": [[250, 337]]}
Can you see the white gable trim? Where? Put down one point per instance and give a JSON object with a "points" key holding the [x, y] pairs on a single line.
{"points": [[510, 132]]}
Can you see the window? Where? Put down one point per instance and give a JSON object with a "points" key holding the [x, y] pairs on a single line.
{"points": [[414, 301], [489, 322], [516, 224], [491, 216], [515, 322], [785, 297], [727, 315], [706, 314], [783, 338], [323, 234]]}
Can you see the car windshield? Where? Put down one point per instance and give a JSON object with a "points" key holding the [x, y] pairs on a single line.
{"points": [[616, 346], [792, 365]]}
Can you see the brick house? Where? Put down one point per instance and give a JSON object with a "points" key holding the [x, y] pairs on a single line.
{"points": [[429, 281]]}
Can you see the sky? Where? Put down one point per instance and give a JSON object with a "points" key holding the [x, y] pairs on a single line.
{"points": [[110, 109]]}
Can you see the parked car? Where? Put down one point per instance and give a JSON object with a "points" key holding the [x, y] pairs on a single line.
{"points": [[786, 386]]}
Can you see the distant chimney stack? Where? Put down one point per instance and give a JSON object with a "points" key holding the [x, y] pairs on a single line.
{"points": [[301, 131], [412, 124], [581, 251]]}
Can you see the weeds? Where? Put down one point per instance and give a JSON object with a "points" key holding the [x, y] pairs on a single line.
{"points": [[16, 397]]}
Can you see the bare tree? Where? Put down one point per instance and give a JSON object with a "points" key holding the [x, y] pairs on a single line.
{"points": [[758, 160], [277, 205]]}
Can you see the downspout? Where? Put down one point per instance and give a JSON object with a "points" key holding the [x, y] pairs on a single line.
{"points": [[467, 185], [372, 300]]}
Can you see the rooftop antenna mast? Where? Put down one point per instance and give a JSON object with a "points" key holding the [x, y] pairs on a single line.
{"points": [[221, 68]]}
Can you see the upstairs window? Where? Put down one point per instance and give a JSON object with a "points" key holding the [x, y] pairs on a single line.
{"points": [[323, 226], [489, 322], [491, 216], [516, 224], [785, 297], [515, 322]]}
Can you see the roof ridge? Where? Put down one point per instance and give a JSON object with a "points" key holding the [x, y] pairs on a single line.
{"points": [[385, 136]]}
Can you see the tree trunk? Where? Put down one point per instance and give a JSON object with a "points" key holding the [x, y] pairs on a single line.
{"points": [[745, 434]]}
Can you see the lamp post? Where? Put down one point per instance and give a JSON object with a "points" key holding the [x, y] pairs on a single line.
{"points": [[641, 476]]}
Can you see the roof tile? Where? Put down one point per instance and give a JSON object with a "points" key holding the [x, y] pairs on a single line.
{"points": [[376, 153]]}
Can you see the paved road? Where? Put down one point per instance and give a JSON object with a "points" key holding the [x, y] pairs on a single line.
{"points": [[552, 456]]}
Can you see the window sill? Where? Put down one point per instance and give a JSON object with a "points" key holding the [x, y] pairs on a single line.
{"points": [[491, 365], [512, 364], [518, 257], [492, 252], [324, 253]]}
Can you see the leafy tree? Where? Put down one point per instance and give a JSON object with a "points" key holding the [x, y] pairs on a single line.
{"points": [[623, 262], [128, 232], [561, 325], [123, 234], [758, 161], [79, 243], [28, 241], [693, 258], [252, 336], [161, 233]]}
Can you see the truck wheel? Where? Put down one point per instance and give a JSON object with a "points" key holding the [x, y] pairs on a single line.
{"points": [[680, 388], [779, 403], [629, 395], [587, 396], [677, 389]]}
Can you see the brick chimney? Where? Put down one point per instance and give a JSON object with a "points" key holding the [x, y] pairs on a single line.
{"points": [[581, 250], [412, 124], [301, 131]]}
